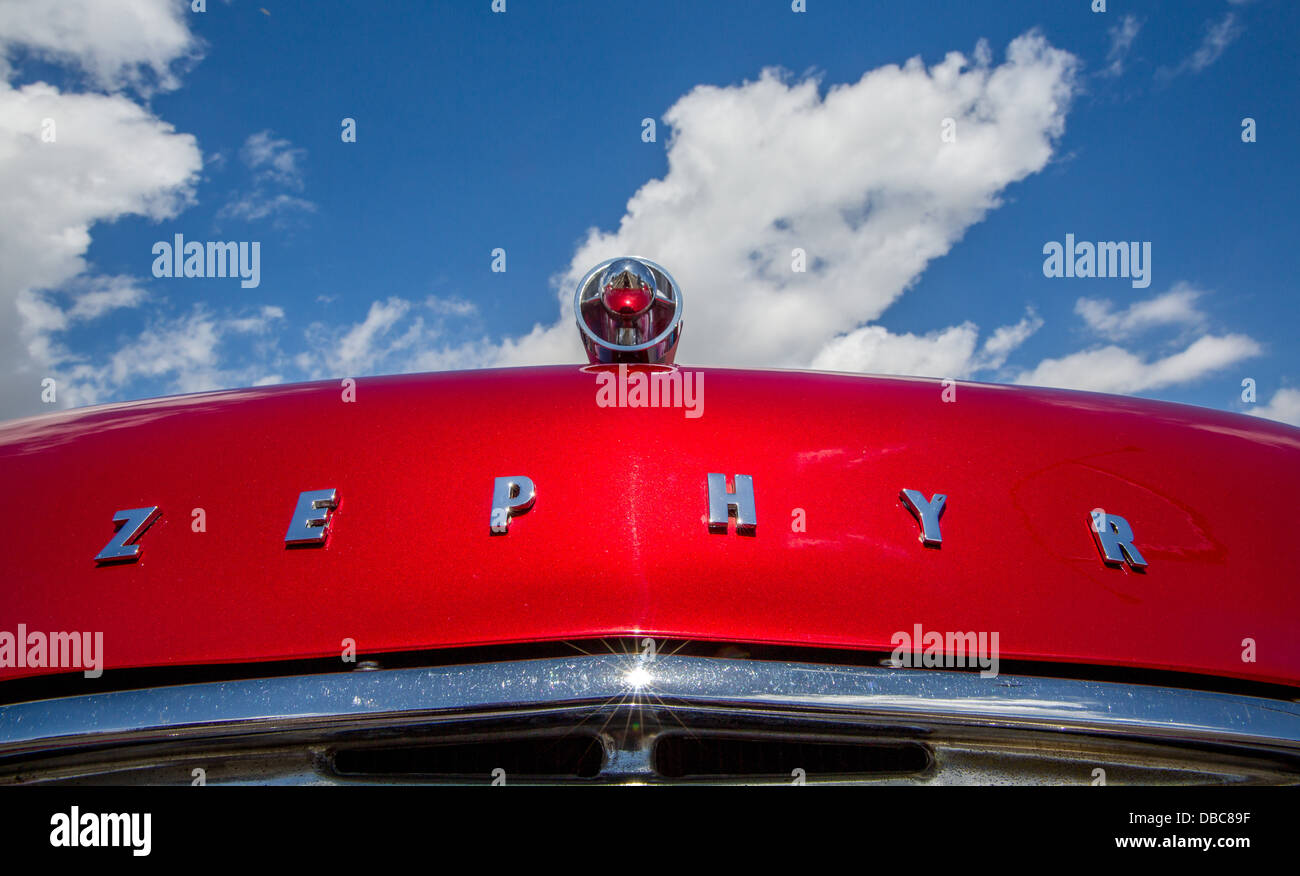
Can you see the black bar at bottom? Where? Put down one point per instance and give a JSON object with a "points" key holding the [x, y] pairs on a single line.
{"points": [[654, 825]]}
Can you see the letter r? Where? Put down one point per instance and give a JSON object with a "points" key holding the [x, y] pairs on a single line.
{"points": [[1114, 539]]}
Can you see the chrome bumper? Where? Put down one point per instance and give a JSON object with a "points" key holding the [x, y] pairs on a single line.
{"points": [[1085, 719]]}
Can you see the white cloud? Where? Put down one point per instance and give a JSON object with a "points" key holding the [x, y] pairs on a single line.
{"points": [[1114, 369], [110, 158], [386, 342], [116, 44], [451, 306], [1284, 407], [181, 354], [859, 178], [42, 317], [949, 352], [258, 204], [1122, 36], [942, 353], [1175, 307], [98, 295], [273, 160], [274, 163], [357, 348], [1218, 36], [1006, 339]]}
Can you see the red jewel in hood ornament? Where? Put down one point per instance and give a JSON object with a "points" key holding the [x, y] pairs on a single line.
{"points": [[629, 310], [628, 301]]}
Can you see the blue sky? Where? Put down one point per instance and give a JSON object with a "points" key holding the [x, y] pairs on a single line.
{"points": [[523, 131]]}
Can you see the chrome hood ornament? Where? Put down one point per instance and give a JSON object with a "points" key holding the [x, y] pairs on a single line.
{"points": [[629, 310]]}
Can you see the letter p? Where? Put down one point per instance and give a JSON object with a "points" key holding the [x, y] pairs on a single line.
{"points": [[511, 496]]}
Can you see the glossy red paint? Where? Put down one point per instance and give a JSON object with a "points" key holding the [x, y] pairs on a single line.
{"points": [[617, 542]]}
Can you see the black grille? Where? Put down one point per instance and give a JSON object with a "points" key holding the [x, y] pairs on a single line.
{"points": [[680, 756], [571, 756]]}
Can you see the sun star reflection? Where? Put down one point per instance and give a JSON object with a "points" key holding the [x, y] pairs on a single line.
{"points": [[637, 678]]}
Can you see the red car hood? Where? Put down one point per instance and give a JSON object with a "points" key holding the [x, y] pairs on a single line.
{"points": [[617, 541]]}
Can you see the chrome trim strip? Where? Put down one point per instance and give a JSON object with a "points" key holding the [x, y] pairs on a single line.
{"points": [[924, 697]]}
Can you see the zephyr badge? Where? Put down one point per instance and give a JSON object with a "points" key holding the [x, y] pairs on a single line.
{"points": [[629, 310]]}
